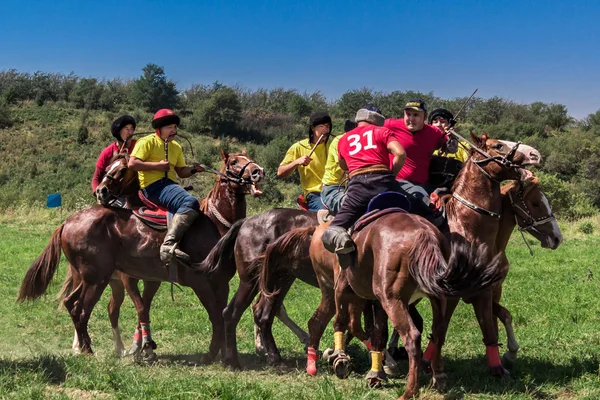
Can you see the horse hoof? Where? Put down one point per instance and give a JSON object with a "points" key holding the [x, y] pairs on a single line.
{"points": [[311, 368], [150, 344], [499, 372], [439, 382], [374, 378], [327, 355], [342, 366], [390, 367], [426, 366], [509, 359]]}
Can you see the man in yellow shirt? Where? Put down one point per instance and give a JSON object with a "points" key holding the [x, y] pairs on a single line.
{"points": [[158, 158], [311, 168], [445, 166]]}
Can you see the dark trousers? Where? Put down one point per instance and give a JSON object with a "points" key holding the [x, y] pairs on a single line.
{"points": [[361, 189]]}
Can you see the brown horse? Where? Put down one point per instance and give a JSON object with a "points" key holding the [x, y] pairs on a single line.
{"points": [[288, 258], [224, 204], [523, 205], [99, 241], [391, 265]]}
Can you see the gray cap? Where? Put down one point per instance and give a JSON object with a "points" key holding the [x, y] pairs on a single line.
{"points": [[369, 116]]}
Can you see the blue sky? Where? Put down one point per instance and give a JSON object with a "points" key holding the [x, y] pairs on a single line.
{"points": [[520, 50]]}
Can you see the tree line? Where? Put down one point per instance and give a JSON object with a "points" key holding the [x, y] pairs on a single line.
{"points": [[272, 118]]}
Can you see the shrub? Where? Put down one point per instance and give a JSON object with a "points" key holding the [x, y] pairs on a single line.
{"points": [[586, 227], [83, 134]]}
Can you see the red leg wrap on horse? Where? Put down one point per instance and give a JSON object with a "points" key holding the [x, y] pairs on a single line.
{"points": [[311, 365], [493, 356], [137, 336], [428, 355]]}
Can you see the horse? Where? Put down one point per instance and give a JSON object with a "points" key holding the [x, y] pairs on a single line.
{"points": [[523, 205], [391, 265], [99, 241], [225, 202], [242, 249], [287, 259]]}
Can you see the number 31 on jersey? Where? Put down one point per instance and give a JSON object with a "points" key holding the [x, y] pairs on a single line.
{"points": [[356, 144]]}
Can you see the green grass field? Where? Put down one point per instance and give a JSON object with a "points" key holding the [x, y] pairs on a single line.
{"points": [[553, 298]]}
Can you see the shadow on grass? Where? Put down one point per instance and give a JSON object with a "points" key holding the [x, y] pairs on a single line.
{"points": [[52, 368], [471, 376]]}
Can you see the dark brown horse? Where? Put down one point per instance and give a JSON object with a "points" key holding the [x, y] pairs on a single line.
{"points": [[242, 250], [288, 258], [100, 241]]}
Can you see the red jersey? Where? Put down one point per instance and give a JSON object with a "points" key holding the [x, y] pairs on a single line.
{"points": [[104, 160], [365, 146], [418, 146]]}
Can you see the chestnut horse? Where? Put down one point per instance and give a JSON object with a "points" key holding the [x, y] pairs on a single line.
{"points": [[288, 259], [523, 205], [393, 265], [224, 204], [99, 241]]}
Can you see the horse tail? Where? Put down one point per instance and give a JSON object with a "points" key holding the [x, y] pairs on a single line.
{"points": [[42, 271], [221, 256], [286, 247], [67, 286], [467, 272]]}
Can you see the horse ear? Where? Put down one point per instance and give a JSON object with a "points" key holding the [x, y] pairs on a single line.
{"points": [[224, 155], [478, 141], [244, 153]]}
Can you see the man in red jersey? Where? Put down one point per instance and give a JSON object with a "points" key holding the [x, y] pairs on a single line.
{"points": [[364, 152], [419, 141]]}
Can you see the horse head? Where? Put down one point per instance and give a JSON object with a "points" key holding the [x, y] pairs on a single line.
{"points": [[242, 173], [118, 181], [503, 160], [533, 213]]}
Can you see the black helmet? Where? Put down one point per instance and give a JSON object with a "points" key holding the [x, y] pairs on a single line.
{"points": [[119, 124]]}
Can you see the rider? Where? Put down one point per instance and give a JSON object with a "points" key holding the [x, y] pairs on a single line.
{"points": [[122, 129], [364, 152], [311, 168], [334, 179], [444, 120], [419, 140], [158, 173]]}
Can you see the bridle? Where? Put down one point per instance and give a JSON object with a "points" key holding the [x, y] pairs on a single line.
{"points": [[529, 223], [114, 196], [232, 176], [504, 161]]}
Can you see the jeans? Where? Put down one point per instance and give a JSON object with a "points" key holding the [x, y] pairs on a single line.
{"points": [[417, 190], [314, 201], [333, 196], [172, 196]]}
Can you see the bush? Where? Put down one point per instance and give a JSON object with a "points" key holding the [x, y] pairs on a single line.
{"points": [[83, 134], [586, 227], [6, 120]]}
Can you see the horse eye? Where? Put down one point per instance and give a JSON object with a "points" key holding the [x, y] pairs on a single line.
{"points": [[234, 162], [498, 146]]}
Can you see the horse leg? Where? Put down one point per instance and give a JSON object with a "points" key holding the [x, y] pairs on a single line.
{"points": [[510, 357], [131, 286], [482, 305], [212, 302], [231, 315], [438, 337], [265, 313], [114, 310], [450, 305], [75, 283], [399, 353], [397, 310], [379, 334], [70, 302], [89, 295], [343, 296], [301, 334], [316, 326]]}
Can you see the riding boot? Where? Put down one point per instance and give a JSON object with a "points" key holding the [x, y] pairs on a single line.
{"points": [[337, 240], [179, 225]]}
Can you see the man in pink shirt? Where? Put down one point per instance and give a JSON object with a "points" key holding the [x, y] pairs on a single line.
{"points": [[419, 140]]}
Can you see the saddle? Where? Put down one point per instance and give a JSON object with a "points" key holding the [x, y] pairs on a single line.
{"points": [[152, 214], [380, 205]]}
